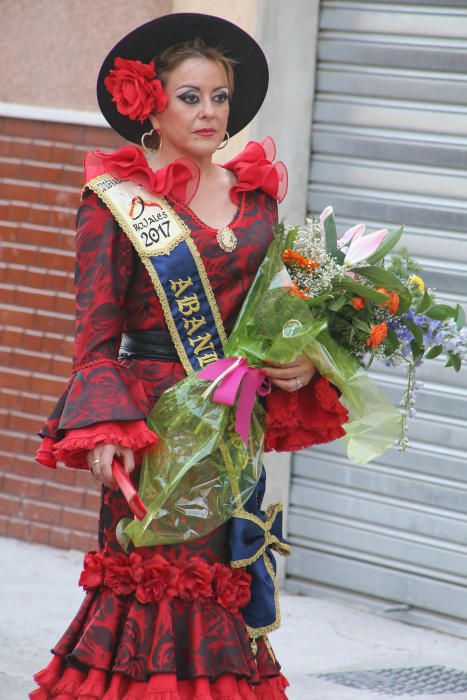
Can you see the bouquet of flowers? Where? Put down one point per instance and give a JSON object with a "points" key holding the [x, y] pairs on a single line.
{"points": [[374, 311], [333, 299]]}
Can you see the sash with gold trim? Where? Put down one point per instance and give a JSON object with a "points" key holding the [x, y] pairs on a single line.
{"points": [[165, 247]]}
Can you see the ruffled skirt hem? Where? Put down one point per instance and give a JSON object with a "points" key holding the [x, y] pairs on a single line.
{"points": [[58, 681]]}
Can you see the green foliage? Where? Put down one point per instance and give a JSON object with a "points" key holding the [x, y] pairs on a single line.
{"points": [[434, 352], [453, 361], [403, 265], [330, 233], [290, 237], [425, 302], [459, 317], [338, 303], [384, 278], [391, 343], [441, 312], [416, 331], [362, 290]]}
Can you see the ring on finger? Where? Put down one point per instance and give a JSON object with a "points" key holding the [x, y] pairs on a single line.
{"points": [[298, 382]]}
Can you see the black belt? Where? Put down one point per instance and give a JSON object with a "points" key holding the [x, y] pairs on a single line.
{"points": [[148, 345]]}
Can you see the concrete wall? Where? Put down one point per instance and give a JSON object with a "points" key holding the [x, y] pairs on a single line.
{"points": [[53, 49], [287, 33]]}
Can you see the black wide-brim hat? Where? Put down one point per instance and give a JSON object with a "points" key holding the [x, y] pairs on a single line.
{"points": [[251, 75]]}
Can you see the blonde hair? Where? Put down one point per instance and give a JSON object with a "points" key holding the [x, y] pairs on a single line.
{"points": [[174, 56]]}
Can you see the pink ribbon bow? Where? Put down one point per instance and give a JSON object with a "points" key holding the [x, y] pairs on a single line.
{"points": [[229, 375]]}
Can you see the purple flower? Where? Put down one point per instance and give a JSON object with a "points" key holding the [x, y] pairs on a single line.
{"points": [[418, 319], [433, 325], [403, 333]]}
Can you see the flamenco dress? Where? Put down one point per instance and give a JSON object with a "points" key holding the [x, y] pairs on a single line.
{"points": [[163, 622]]}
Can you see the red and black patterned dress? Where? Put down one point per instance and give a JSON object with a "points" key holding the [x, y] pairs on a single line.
{"points": [[163, 623]]}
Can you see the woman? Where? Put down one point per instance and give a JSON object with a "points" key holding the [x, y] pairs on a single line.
{"points": [[165, 623]]}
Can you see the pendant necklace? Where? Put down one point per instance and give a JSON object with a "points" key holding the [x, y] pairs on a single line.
{"points": [[226, 239]]}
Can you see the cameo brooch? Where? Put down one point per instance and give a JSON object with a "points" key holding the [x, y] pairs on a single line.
{"points": [[227, 239]]}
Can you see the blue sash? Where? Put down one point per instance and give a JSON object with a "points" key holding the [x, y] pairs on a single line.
{"points": [[165, 247]]}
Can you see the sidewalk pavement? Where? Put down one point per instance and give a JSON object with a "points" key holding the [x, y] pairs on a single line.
{"points": [[39, 595]]}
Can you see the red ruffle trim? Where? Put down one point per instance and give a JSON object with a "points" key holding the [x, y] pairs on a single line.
{"points": [[72, 450], [57, 682], [45, 455], [253, 168], [180, 178], [152, 578], [299, 419]]}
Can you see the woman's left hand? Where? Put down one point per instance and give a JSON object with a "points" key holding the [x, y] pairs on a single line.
{"points": [[292, 376]]}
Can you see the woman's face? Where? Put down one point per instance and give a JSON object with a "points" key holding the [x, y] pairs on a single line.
{"points": [[195, 120]]}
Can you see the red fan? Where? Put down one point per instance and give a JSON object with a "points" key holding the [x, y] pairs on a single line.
{"points": [[128, 490]]}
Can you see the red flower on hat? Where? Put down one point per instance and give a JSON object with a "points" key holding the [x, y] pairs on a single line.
{"points": [[135, 90]]}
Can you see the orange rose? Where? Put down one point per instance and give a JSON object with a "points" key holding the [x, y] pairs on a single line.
{"points": [[295, 291], [292, 257], [358, 303], [377, 335], [383, 290], [393, 304]]}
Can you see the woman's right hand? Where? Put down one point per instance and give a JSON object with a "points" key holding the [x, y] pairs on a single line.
{"points": [[100, 460]]}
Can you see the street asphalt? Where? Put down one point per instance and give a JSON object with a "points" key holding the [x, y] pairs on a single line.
{"points": [[39, 595]]}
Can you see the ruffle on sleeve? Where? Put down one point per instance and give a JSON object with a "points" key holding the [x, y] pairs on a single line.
{"points": [[76, 443], [180, 178], [102, 392], [299, 419], [45, 455], [73, 448], [254, 170]]}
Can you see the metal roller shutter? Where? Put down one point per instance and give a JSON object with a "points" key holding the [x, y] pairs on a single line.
{"points": [[389, 146]]}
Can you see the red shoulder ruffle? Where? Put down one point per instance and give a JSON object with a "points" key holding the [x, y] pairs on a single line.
{"points": [[303, 418], [254, 170], [180, 178]]}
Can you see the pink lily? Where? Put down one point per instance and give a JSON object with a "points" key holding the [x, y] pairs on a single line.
{"points": [[361, 247], [351, 235]]}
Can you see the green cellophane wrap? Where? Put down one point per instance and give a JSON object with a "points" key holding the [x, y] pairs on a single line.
{"points": [[200, 471], [374, 423]]}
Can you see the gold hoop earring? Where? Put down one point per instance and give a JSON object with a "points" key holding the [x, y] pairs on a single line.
{"points": [[226, 140], [148, 148]]}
